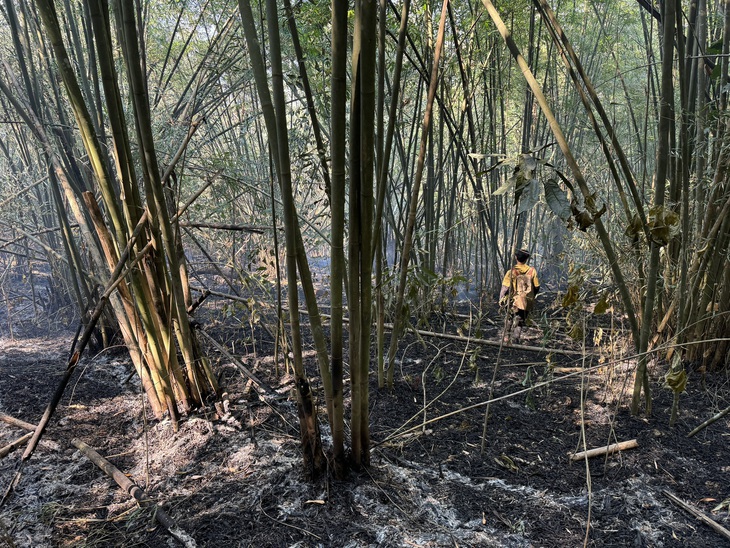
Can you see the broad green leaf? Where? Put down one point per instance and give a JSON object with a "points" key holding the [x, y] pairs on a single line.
{"points": [[716, 71], [556, 199], [715, 48]]}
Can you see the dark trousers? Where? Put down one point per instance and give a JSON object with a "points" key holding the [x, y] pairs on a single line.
{"points": [[519, 318]]}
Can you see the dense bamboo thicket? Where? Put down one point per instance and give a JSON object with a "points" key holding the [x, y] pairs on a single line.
{"points": [[405, 150]]}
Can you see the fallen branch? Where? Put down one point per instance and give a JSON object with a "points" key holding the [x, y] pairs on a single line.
{"points": [[17, 422], [133, 490], [709, 421], [698, 514], [219, 226], [9, 448], [485, 342], [607, 450]]}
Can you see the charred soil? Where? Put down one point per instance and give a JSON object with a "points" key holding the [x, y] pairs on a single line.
{"points": [[440, 474]]}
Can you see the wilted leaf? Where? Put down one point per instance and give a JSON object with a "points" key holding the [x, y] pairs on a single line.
{"points": [[601, 306], [723, 504], [676, 377], [598, 336], [505, 187], [582, 218], [576, 276], [556, 199], [664, 224], [505, 462], [576, 333], [570, 297], [634, 228], [676, 381]]}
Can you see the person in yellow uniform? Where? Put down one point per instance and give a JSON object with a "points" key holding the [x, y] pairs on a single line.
{"points": [[520, 285]]}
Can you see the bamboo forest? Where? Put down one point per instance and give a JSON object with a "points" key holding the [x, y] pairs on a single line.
{"points": [[364, 274]]}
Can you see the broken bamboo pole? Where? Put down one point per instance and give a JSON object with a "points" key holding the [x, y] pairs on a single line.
{"points": [[20, 442], [606, 450], [17, 422], [136, 492], [698, 514]]}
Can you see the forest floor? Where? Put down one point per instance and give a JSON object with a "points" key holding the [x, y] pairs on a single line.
{"points": [[234, 477]]}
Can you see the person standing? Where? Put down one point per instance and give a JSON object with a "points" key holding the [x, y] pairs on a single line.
{"points": [[520, 285]]}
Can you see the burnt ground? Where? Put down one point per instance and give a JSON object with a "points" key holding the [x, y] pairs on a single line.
{"points": [[236, 479]]}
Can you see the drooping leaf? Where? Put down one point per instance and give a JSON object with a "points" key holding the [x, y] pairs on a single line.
{"points": [[521, 183], [584, 220], [506, 187], [676, 377], [529, 197], [556, 199], [576, 333], [676, 381], [634, 228], [663, 224], [528, 164]]}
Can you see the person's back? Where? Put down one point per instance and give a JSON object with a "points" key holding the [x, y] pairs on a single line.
{"points": [[519, 288]]}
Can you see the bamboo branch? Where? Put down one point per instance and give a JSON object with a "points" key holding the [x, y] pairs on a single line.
{"points": [[699, 515], [242, 368], [220, 226], [138, 494], [606, 450], [709, 421]]}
